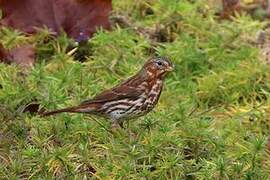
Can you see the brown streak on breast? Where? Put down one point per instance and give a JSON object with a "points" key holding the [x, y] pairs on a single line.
{"points": [[153, 94]]}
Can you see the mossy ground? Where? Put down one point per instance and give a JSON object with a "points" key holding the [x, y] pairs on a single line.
{"points": [[212, 121]]}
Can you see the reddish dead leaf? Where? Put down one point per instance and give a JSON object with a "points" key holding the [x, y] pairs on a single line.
{"points": [[229, 7], [3, 53], [23, 55], [78, 18], [258, 9]]}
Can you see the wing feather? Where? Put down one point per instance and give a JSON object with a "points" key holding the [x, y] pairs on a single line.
{"points": [[117, 93]]}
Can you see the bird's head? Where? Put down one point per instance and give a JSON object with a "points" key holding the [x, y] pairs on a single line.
{"points": [[158, 67]]}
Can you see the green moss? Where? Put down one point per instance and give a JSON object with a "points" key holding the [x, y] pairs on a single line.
{"points": [[212, 120]]}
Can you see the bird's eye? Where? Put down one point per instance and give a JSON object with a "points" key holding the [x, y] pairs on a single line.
{"points": [[159, 63]]}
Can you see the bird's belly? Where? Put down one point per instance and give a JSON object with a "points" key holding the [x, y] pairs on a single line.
{"points": [[138, 109], [125, 115], [124, 109], [117, 114]]}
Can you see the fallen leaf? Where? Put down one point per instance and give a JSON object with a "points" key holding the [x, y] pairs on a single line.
{"points": [[259, 9], [229, 8], [3, 53], [78, 18], [23, 55]]}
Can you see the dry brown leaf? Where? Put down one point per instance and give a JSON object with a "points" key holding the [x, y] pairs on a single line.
{"points": [[78, 18]]}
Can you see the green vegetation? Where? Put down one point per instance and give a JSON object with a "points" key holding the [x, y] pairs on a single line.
{"points": [[212, 121]]}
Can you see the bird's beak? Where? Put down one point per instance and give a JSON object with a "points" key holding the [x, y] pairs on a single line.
{"points": [[170, 68]]}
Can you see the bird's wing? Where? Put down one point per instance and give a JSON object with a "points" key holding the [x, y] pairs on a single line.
{"points": [[117, 93]]}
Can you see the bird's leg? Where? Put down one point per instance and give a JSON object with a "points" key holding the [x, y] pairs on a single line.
{"points": [[121, 124], [117, 127], [116, 124]]}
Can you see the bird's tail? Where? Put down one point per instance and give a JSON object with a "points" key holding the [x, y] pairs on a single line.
{"points": [[70, 110]]}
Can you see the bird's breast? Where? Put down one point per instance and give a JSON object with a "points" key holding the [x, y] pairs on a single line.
{"points": [[152, 96]]}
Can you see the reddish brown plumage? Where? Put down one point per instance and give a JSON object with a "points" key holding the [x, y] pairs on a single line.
{"points": [[133, 98]]}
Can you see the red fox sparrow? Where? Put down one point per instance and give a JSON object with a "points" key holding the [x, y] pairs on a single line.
{"points": [[134, 97]]}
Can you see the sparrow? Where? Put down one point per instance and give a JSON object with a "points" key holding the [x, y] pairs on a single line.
{"points": [[133, 98]]}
